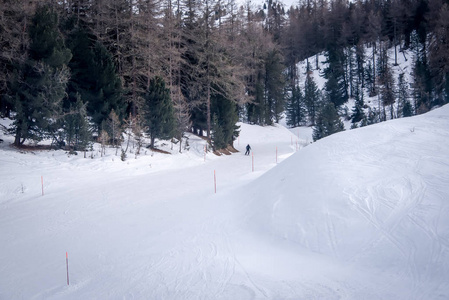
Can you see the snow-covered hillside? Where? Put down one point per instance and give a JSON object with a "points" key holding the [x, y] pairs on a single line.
{"points": [[362, 214], [402, 65]]}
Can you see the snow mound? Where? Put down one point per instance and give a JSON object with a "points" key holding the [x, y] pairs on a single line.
{"points": [[375, 198]]}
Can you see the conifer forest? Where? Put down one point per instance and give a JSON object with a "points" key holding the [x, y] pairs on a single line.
{"points": [[75, 71]]}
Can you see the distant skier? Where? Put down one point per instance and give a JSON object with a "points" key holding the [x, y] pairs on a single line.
{"points": [[248, 149]]}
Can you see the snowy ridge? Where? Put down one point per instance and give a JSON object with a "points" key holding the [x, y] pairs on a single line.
{"points": [[361, 214]]}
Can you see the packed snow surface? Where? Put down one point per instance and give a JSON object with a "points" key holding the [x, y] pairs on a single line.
{"points": [[362, 214]]}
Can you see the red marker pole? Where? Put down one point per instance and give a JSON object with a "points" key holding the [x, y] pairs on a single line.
{"points": [[67, 264], [42, 183]]}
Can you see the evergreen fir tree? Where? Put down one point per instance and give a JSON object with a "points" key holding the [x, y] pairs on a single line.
{"points": [[328, 122], [107, 87], [407, 109], [226, 114], [158, 115], [360, 59], [370, 80], [386, 80], [312, 98], [336, 85], [113, 127], [404, 106], [296, 110], [255, 108], [274, 86], [94, 77], [371, 118], [357, 112], [76, 126], [39, 85], [81, 82], [438, 53], [421, 82], [218, 138]]}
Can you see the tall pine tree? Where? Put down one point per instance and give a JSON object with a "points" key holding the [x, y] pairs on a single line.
{"points": [[328, 122], [158, 114], [296, 110], [224, 128], [336, 85], [311, 98], [39, 85]]}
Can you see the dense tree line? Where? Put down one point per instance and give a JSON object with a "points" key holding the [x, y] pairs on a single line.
{"points": [[355, 37], [78, 68], [74, 69]]}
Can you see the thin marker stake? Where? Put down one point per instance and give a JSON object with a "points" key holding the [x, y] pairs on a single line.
{"points": [[215, 182], [252, 158], [67, 264], [42, 183]]}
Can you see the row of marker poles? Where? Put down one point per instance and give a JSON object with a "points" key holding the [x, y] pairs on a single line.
{"points": [[252, 162]]}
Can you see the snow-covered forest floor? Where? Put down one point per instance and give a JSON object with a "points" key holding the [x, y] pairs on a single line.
{"points": [[362, 214]]}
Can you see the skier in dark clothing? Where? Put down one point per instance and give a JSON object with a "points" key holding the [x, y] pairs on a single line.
{"points": [[248, 148]]}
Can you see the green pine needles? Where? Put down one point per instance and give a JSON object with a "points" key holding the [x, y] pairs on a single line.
{"points": [[328, 122], [158, 110]]}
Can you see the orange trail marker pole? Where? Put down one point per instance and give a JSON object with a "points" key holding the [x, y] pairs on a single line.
{"points": [[42, 183], [215, 182], [252, 159], [67, 264]]}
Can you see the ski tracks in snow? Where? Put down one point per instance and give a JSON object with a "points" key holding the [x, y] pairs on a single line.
{"points": [[201, 265], [396, 209], [331, 233]]}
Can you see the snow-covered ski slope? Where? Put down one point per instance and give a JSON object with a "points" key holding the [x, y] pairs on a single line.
{"points": [[362, 214]]}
